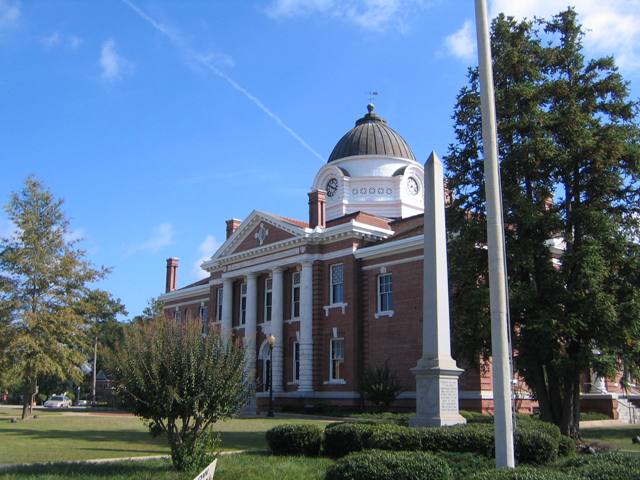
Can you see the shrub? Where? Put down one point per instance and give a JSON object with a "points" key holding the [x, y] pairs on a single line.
{"points": [[382, 465], [295, 440], [386, 417], [180, 381], [476, 417], [522, 473], [394, 437], [535, 447], [566, 446], [380, 385], [464, 465], [602, 467], [459, 438], [343, 438]]}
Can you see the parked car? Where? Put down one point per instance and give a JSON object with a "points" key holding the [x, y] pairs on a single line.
{"points": [[58, 401], [82, 403]]}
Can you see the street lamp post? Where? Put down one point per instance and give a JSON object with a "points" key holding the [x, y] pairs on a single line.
{"points": [[272, 342]]}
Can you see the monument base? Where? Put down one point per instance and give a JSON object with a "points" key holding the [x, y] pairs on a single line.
{"points": [[436, 396]]}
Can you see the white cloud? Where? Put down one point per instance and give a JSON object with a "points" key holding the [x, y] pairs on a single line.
{"points": [[462, 44], [111, 63], [206, 249], [57, 39], [374, 15], [161, 236], [8, 229], [9, 13]]}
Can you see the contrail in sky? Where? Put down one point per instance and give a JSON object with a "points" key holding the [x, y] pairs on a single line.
{"points": [[177, 40]]}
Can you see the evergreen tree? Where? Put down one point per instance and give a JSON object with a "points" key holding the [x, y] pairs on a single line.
{"points": [[44, 278], [566, 131]]}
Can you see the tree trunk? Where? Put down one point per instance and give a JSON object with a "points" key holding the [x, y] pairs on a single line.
{"points": [[27, 399], [95, 362]]}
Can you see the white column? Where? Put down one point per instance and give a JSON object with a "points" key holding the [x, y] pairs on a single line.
{"points": [[436, 373], [250, 326], [306, 328], [500, 352], [277, 302], [227, 308]]}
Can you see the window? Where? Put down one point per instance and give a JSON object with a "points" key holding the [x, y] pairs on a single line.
{"points": [[219, 304], [295, 295], [337, 358], [243, 303], [268, 289], [337, 283], [177, 315], [385, 293], [204, 318], [296, 362]]}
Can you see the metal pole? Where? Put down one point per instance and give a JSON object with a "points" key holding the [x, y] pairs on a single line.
{"points": [[270, 412], [495, 243]]}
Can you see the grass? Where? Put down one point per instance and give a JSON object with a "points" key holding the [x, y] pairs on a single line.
{"points": [[230, 467], [66, 436], [620, 437]]}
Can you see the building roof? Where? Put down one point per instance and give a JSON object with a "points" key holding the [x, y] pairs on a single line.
{"points": [[371, 136]]}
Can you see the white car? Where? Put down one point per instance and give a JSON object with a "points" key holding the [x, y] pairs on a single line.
{"points": [[58, 401]]}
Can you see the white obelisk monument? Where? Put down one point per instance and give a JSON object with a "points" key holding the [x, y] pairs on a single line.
{"points": [[436, 373]]}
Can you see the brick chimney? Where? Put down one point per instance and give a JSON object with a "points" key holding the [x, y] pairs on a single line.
{"points": [[317, 208], [232, 226], [172, 274]]}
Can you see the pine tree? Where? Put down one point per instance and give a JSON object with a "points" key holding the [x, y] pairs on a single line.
{"points": [[45, 277], [566, 131]]}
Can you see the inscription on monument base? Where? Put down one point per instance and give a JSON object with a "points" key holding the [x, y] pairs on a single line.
{"points": [[449, 395]]}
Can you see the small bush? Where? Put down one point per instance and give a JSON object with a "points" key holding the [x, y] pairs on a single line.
{"points": [[535, 447], [602, 467], [386, 417], [459, 438], [394, 437], [476, 417], [566, 446], [382, 465], [381, 385], [295, 440], [464, 465], [590, 416], [522, 473], [343, 438]]}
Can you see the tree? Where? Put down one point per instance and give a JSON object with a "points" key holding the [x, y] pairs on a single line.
{"points": [[100, 311], [154, 309], [181, 382], [568, 147], [44, 276]]}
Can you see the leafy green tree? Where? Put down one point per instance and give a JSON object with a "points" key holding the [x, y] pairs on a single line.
{"points": [[44, 277], [100, 310], [568, 147], [181, 382], [154, 309]]}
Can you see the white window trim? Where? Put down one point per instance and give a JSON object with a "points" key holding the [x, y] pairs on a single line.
{"points": [[295, 285], [264, 309], [343, 306], [382, 313], [331, 379], [243, 296], [331, 300]]}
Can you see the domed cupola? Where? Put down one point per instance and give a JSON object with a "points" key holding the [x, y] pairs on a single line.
{"points": [[372, 169], [371, 136]]}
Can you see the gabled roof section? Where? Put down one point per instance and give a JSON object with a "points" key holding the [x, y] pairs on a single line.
{"points": [[204, 281], [259, 228], [361, 217]]}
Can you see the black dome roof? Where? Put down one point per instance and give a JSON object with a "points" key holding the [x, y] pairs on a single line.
{"points": [[371, 136]]}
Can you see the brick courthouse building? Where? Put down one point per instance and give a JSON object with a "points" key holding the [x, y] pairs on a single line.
{"points": [[342, 291]]}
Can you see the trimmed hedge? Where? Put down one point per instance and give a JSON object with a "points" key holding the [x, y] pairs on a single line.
{"points": [[535, 447], [566, 446], [603, 466], [341, 439], [522, 473], [384, 465], [295, 440]]}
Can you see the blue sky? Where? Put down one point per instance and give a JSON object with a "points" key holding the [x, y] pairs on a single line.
{"points": [[158, 120]]}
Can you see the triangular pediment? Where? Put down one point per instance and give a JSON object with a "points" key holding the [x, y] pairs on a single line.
{"points": [[259, 229]]}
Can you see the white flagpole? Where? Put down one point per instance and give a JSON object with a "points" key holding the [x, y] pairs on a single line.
{"points": [[495, 243]]}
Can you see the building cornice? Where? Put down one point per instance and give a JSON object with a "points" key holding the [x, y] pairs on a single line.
{"points": [[389, 248], [185, 293]]}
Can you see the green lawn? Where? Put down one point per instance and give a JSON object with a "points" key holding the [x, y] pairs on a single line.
{"points": [[61, 436], [620, 437], [231, 467]]}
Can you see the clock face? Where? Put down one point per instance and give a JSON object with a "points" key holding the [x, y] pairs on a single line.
{"points": [[332, 187], [412, 186]]}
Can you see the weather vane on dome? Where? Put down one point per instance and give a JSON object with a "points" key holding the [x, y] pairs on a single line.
{"points": [[371, 95]]}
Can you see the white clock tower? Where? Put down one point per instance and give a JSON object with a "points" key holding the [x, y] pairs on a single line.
{"points": [[372, 169]]}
